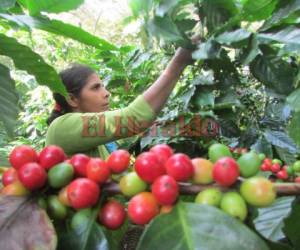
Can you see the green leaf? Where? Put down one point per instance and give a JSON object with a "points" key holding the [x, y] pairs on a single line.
{"points": [[275, 73], [277, 113], [203, 97], [51, 6], [227, 100], [294, 100], [190, 226], [291, 225], [140, 60], [281, 139], [205, 78], [7, 4], [294, 128], [225, 72], [251, 52], [269, 221], [232, 6], [140, 7], [282, 14], [8, 100], [26, 59], [88, 236], [278, 246], [289, 49], [207, 50], [185, 25], [263, 146], [285, 155], [164, 28], [115, 237], [259, 9], [59, 28], [115, 65], [16, 9], [216, 13], [233, 37], [286, 35], [187, 95], [85, 238], [4, 158], [24, 225], [166, 6]]}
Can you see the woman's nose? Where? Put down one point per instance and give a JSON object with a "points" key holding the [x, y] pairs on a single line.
{"points": [[107, 93]]}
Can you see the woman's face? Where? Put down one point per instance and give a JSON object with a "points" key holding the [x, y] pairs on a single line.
{"points": [[93, 97]]}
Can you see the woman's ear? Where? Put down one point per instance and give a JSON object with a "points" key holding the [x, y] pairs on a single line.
{"points": [[72, 101]]}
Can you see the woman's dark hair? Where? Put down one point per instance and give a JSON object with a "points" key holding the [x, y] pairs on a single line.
{"points": [[74, 78]]}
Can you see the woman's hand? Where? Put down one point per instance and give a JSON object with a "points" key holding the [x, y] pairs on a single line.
{"points": [[157, 94], [185, 55], [196, 39]]}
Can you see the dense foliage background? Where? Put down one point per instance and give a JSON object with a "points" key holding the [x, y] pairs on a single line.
{"points": [[245, 79], [245, 76]]}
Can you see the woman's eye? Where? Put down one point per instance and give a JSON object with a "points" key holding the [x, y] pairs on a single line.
{"points": [[98, 86]]}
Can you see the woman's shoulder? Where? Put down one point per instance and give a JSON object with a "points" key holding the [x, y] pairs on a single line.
{"points": [[64, 118], [61, 127], [59, 123]]}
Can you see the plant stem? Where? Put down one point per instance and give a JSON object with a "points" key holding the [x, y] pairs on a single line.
{"points": [[282, 189]]}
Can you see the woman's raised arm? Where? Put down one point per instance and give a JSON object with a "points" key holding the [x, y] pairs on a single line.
{"points": [[157, 94]]}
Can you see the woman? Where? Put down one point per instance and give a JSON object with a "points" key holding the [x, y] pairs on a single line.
{"points": [[83, 123]]}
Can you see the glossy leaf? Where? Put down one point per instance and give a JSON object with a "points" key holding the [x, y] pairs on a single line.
{"points": [[216, 13], [227, 100], [59, 28], [281, 139], [51, 6], [276, 115], [115, 237], [205, 78], [26, 59], [274, 73], [88, 236], [294, 128], [85, 238], [289, 49], [278, 246], [269, 221], [282, 14], [294, 100], [291, 227], [185, 25], [207, 50], [250, 52], [8, 100], [285, 155], [259, 9], [263, 146], [232, 6], [24, 225], [203, 97], [232, 37], [194, 226], [166, 6], [286, 35], [164, 28]]}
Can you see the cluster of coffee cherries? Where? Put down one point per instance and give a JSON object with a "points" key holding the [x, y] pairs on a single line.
{"points": [[150, 183], [280, 171]]}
